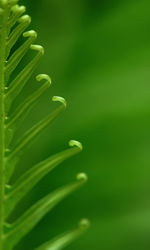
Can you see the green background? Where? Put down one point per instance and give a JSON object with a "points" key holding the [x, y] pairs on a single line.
{"points": [[97, 53]]}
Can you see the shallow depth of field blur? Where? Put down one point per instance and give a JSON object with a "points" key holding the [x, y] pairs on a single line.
{"points": [[97, 53]]}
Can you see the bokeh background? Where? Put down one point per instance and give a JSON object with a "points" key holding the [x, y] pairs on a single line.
{"points": [[97, 53]]}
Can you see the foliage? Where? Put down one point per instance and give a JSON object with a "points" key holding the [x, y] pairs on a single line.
{"points": [[13, 24]]}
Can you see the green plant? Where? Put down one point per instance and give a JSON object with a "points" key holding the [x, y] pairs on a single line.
{"points": [[13, 24]]}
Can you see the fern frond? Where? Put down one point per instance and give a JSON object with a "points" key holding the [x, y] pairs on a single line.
{"points": [[33, 215], [19, 82], [21, 112], [14, 23], [35, 174], [24, 22], [27, 139], [17, 11], [17, 56], [65, 239]]}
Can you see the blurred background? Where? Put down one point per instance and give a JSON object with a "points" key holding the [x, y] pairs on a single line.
{"points": [[97, 53]]}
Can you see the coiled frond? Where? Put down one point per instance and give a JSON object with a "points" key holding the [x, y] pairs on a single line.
{"points": [[14, 23]]}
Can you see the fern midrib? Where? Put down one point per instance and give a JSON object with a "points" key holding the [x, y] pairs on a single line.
{"points": [[2, 121]]}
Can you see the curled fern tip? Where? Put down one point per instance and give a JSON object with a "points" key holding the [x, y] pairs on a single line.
{"points": [[59, 99], [84, 223], [37, 48], [73, 143], [41, 77], [82, 177], [31, 33]]}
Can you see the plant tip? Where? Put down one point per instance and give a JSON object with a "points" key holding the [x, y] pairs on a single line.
{"points": [[30, 33], [41, 77], [25, 18], [73, 143], [18, 9], [82, 177], [84, 223], [37, 48], [59, 99]]}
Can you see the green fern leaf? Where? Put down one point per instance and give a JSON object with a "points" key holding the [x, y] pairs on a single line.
{"points": [[65, 239], [13, 24]]}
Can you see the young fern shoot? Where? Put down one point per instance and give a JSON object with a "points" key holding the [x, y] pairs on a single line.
{"points": [[13, 24]]}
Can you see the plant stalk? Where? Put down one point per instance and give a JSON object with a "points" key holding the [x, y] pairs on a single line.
{"points": [[3, 36]]}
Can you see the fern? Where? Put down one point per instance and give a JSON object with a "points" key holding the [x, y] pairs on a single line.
{"points": [[13, 24]]}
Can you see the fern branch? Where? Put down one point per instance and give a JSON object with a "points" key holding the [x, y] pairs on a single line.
{"points": [[23, 109], [19, 82], [16, 57], [24, 22], [35, 174], [37, 211], [65, 239], [17, 11], [28, 137], [34, 131]]}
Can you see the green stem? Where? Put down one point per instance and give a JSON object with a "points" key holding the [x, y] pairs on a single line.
{"points": [[3, 37]]}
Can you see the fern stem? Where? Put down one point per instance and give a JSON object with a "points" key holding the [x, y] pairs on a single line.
{"points": [[3, 37]]}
